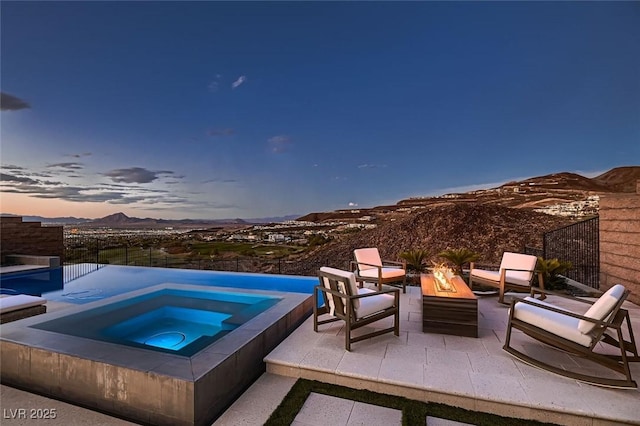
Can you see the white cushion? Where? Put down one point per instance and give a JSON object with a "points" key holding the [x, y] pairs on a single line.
{"points": [[349, 280], [386, 273], [526, 262], [373, 304], [601, 308], [371, 256], [553, 322], [509, 276], [20, 301]]}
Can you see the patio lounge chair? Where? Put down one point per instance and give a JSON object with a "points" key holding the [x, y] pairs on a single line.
{"points": [[344, 301], [579, 334], [516, 273], [369, 267], [20, 306]]}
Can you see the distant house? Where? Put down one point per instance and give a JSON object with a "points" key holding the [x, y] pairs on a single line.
{"points": [[276, 238]]}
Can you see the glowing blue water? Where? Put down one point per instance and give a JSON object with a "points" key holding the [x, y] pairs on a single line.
{"points": [[113, 280]]}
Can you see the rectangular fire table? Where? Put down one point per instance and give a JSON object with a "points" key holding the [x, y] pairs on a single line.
{"points": [[449, 312]]}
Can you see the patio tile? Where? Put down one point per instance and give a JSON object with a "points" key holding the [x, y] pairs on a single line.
{"points": [[448, 360], [455, 381], [495, 387], [315, 410], [373, 415], [426, 340], [407, 372], [467, 344], [322, 359], [405, 352], [494, 365], [359, 365]]}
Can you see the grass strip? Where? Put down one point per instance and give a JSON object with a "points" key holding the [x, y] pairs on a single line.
{"points": [[414, 413]]}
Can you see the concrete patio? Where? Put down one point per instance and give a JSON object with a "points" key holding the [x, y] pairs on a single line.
{"points": [[471, 373]]}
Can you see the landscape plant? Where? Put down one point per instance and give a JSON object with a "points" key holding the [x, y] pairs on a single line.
{"points": [[459, 257], [552, 272], [416, 259]]}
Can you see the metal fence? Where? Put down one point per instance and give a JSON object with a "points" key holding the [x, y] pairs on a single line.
{"points": [[84, 255], [578, 243]]}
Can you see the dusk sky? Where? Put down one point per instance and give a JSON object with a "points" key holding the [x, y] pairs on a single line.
{"points": [[255, 109]]}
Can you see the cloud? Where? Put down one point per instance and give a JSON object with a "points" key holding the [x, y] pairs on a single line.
{"points": [[279, 143], [220, 181], [4, 177], [352, 204], [214, 85], [238, 82], [372, 166], [30, 183], [67, 166], [136, 175], [11, 103], [220, 132], [84, 154]]}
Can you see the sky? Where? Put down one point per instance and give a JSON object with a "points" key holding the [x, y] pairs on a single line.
{"points": [[214, 110]]}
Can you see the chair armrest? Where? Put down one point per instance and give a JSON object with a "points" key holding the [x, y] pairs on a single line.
{"points": [[518, 270], [564, 295], [402, 264], [375, 293], [473, 265], [367, 264]]}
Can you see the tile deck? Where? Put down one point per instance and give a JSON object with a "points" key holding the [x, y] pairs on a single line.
{"points": [[471, 373], [466, 372]]}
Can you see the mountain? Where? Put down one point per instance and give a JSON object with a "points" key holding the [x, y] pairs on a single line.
{"points": [[620, 179], [488, 230]]}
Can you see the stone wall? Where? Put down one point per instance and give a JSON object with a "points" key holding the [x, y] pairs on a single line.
{"points": [[620, 242], [31, 238]]}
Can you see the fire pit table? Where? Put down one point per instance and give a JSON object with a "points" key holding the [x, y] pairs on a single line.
{"points": [[448, 311]]}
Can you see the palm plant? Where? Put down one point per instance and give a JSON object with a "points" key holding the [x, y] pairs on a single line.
{"points": [[416, 259], [552, 270], [459, 257]]}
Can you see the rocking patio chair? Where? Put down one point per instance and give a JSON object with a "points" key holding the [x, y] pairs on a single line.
{"points": [[344, 301], [579, 334]]}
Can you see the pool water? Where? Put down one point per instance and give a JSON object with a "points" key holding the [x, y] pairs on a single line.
{"points": [[112, 280], [168, 320]]}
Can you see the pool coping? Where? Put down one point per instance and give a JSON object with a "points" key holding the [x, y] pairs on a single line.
{"points": [[147, 385]]}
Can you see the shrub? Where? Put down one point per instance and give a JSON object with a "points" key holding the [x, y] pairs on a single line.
{"points": [[552, 270], [459, 257], [415, 259]]}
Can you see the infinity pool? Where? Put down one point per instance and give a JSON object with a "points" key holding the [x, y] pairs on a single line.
{"points": [[112, 280]]}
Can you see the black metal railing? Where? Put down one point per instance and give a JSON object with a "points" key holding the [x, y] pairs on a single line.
{"points": [[579, 244], [84, 255]]}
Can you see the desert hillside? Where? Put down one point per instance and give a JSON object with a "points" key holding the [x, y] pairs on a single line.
{"points": [[489, 230]]}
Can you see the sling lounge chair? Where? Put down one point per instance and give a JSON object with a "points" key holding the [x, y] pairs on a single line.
{"points": [[516, 273], [369, 267], [344, 301], [579, 335]]}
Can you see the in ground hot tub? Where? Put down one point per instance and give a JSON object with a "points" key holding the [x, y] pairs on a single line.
{"points": [[168, 354]]}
